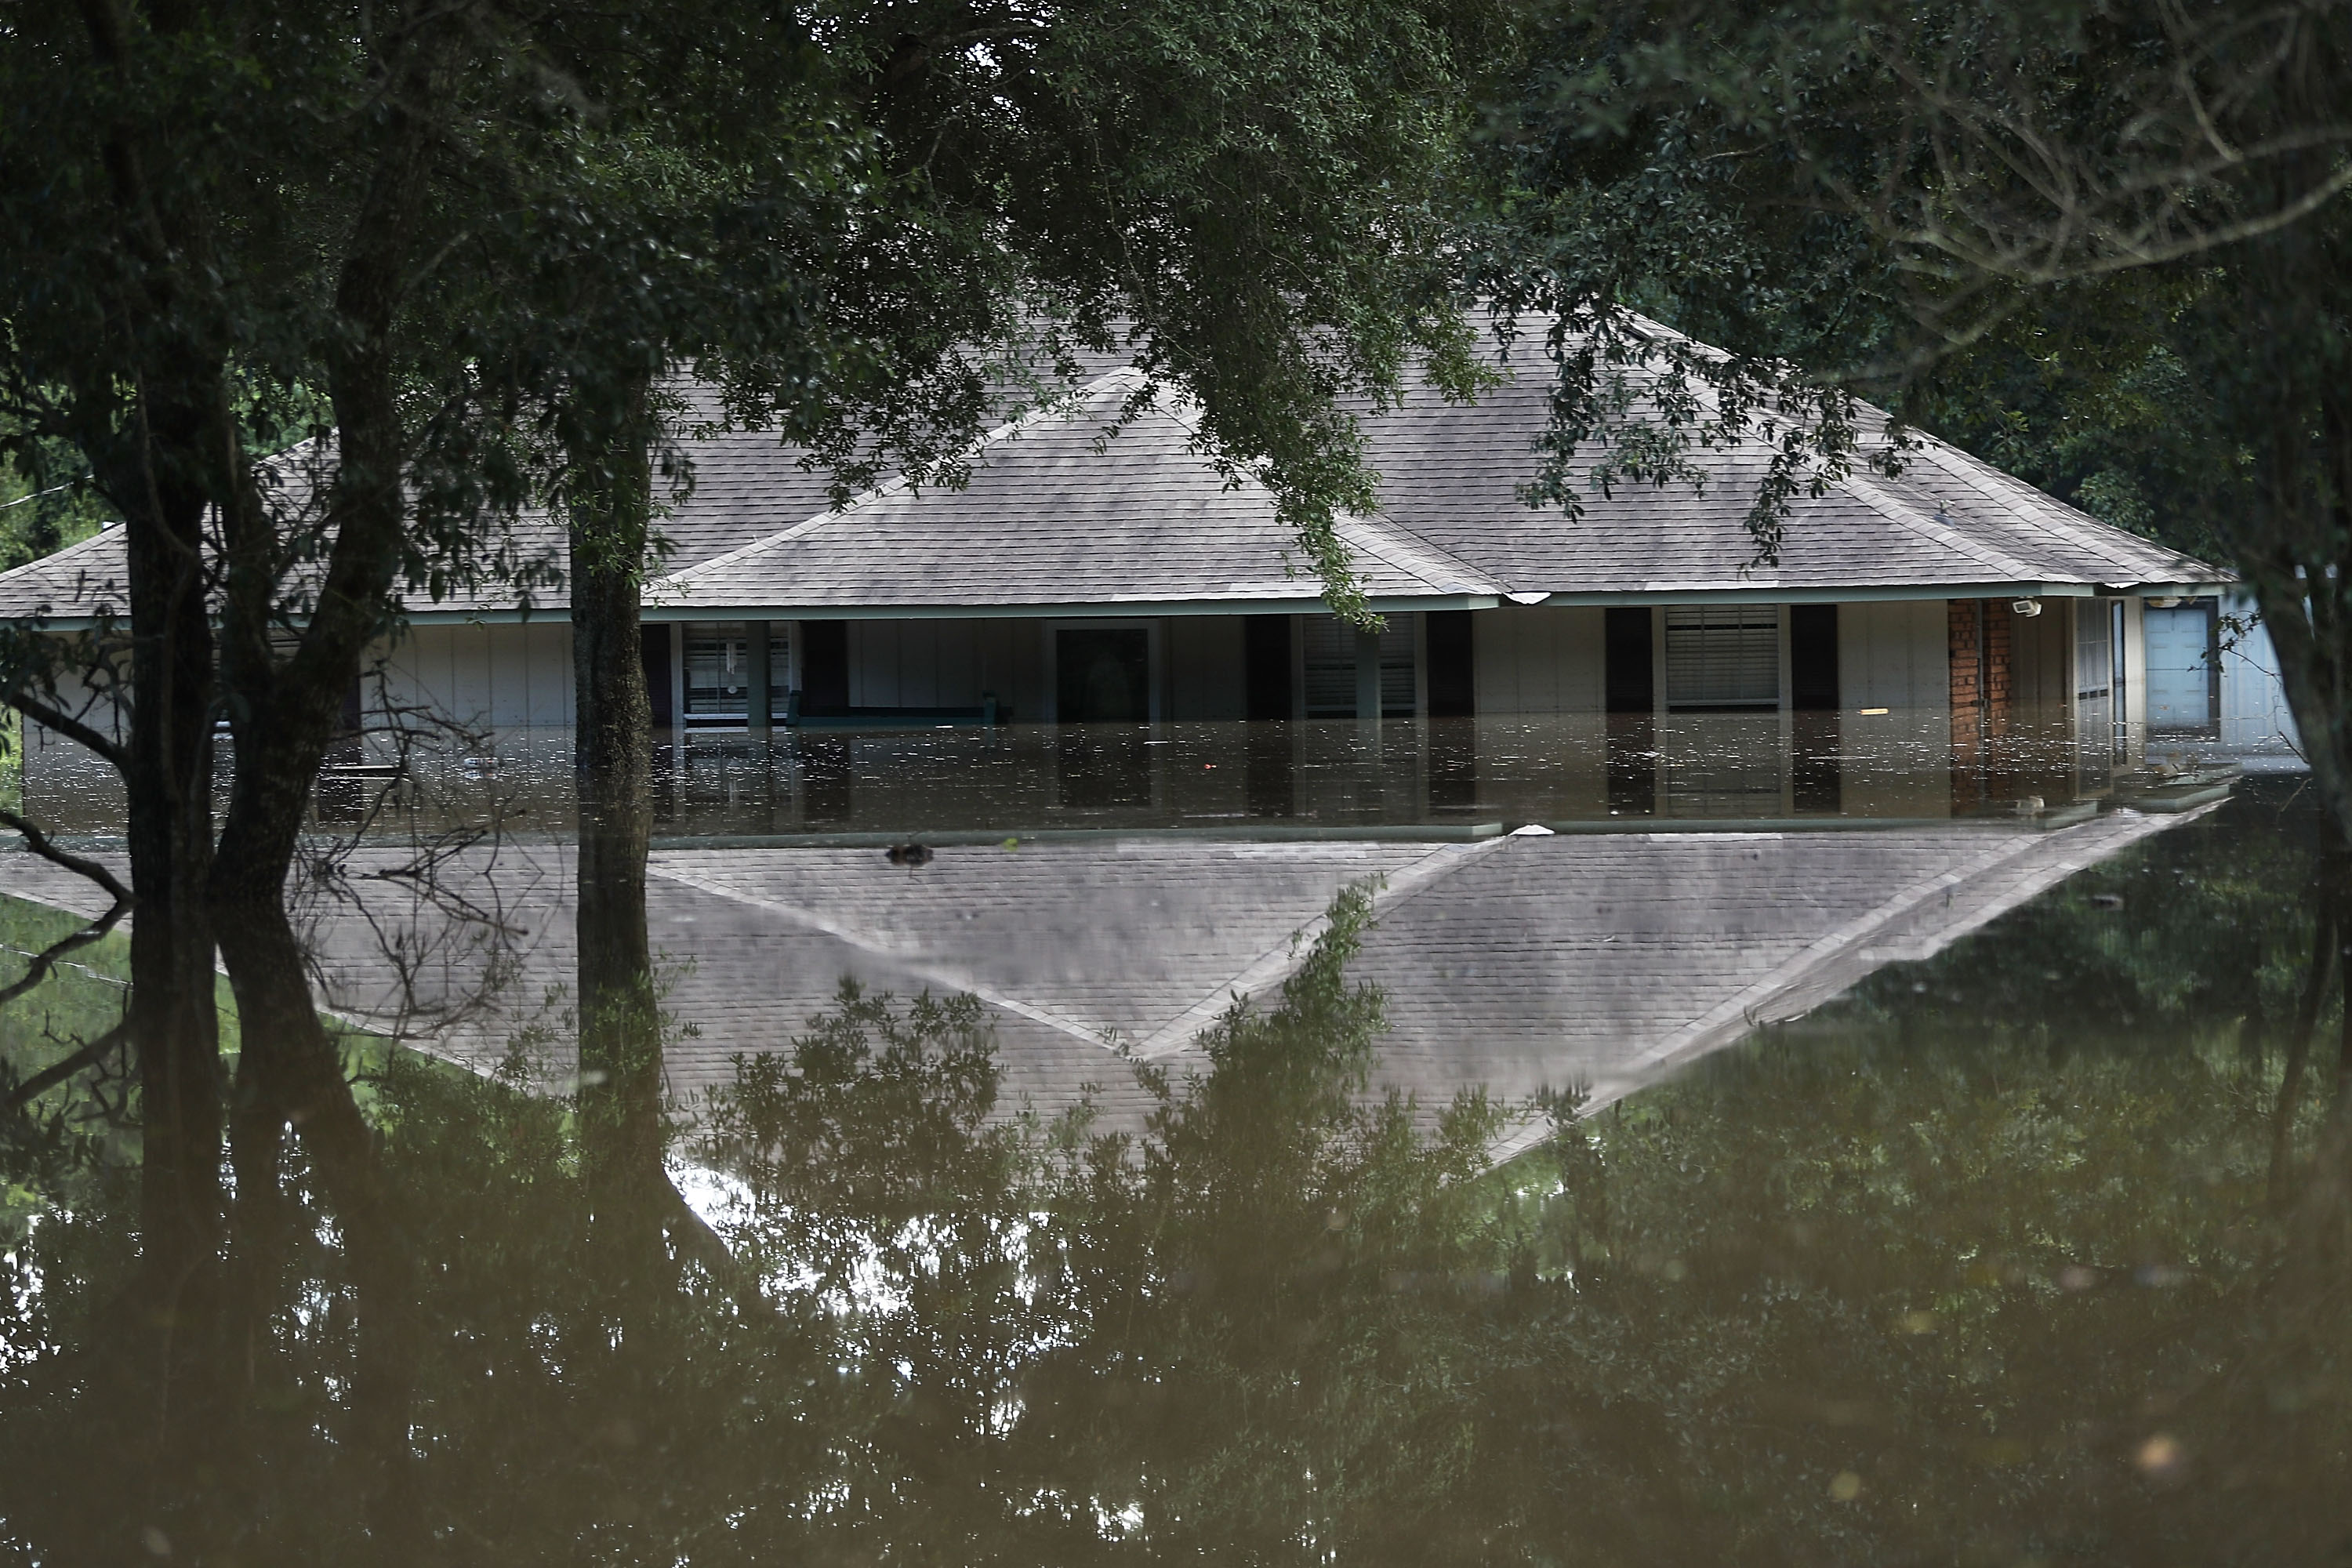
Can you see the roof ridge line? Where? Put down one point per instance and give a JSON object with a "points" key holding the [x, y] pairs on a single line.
{"points": [[54, 557], [1279, 963], [1946, 457], [1864, 485], [1399, 535], [1012, 427]]}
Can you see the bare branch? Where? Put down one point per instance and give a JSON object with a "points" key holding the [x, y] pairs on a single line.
{"points": [[45, 963], [39, 843], [72, 729], [55, 1073]]}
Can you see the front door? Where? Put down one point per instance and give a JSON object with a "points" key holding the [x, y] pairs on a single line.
{"points": [[2180, 667], [1103, 675]]}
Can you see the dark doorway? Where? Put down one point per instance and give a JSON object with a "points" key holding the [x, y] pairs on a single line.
{"points": [[656, 657], [1452, 674], [1103, 676], [824, 666], [1265, 666], [1628, 674], [1813, 659]]}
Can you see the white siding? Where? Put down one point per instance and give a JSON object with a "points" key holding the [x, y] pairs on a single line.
{"points": [[946, 664], [1538, 659], [2135, 665], [2253, 703], [1895, 656], [502, 677]]}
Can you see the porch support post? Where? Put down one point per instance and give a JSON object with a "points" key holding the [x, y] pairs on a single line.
{"points": [[759, 704], [1368, 679]]}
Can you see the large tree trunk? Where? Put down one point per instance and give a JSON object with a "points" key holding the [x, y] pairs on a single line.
{"points": [[619, 1011], [2293, 415], [155, 472], [162, 471], [284, 713], [175, 1027]]}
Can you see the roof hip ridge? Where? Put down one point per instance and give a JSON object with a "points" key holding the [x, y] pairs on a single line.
{"points": [[1865, 486], [1408, 541], [1082, 391], [1990, 482]]}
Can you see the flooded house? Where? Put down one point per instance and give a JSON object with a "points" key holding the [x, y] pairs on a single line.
{"points": [[1101, 571]]}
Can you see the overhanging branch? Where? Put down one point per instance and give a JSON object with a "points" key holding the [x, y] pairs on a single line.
{"points": [[72, 729], [49, 1077], [80, 865]]}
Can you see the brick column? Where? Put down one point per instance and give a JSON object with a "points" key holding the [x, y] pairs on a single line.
{"points": [[1966, 624]]}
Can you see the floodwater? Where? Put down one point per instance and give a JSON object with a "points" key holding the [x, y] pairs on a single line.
{"points": [[1949, 1171], [1452, 777]]}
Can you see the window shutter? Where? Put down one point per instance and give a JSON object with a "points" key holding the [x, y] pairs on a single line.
{"points": [[1723, 655], [1330, 668]]}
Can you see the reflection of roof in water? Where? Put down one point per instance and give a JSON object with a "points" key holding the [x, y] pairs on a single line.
{"points": [[1519, 964]]}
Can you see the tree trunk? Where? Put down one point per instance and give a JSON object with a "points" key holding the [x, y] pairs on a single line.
{"points": [[619, 1011], [162, 469], [154, 475], [285, 713], [2325, 941]]}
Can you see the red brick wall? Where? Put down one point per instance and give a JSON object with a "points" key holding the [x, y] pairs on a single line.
{"points": [[2001, 667], [1983, 682], [1996, 668], [1962, 617]]}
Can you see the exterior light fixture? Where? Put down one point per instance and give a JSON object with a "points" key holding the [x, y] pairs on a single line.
{"points": [[2027, 607]]}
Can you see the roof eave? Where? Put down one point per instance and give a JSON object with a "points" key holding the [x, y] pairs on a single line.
{"points": [[1859, 593], [1112, 609]]}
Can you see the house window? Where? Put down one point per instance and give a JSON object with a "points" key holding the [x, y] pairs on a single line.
{"points": [[719, 667], [2098, 680], [1723, 655], [1330, 659], [2095, 652]]}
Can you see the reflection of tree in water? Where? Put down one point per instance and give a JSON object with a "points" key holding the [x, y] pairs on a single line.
{"points": [[1985, 1271]]}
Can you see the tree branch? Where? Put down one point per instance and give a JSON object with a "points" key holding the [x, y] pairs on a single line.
{"points": [[49, 1077], [39, 843], [45, 961], [72, 729]]}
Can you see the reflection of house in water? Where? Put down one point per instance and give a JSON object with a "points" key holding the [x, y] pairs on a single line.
{"points": [[1120, 580], [1517, 963], [1447, 777]]}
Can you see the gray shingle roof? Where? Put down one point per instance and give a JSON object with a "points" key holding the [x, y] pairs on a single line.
{"points": [[1059, 515], [89, 580], [1451, 474], [81, 582], [1066, 508]]}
